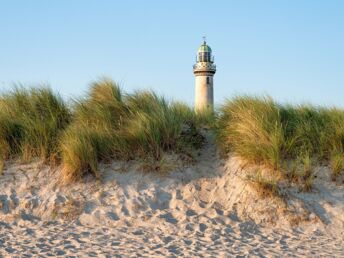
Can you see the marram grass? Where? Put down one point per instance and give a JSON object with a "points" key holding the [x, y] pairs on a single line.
{"points": [[31, 122], [111, 125], [267, 133], [251, 127]]}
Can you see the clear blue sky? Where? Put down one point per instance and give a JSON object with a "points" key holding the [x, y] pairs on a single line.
{"points": [[292, 50]]}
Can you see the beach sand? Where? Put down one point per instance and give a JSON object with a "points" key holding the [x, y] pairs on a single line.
{"points": [[207, 209]]}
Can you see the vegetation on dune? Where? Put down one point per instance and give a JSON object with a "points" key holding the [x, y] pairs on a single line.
{"points": [[108, 124], [252, 128], [337, 164], [31, 122], [266, 133], [266, 187]]}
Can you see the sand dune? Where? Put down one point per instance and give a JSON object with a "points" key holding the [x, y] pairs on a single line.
{"points": [[207, 209]]}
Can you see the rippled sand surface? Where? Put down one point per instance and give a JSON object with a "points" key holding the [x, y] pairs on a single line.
{"points": [[202, 240]]}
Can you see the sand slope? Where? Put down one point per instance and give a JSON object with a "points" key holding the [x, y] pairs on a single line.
{"points": [[207, 209]]}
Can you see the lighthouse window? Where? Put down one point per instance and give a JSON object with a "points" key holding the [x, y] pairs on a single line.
{"points": [[208, 80], [207, 57]]}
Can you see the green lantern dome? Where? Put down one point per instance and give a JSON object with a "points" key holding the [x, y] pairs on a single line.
{"points": [[204, 48]]}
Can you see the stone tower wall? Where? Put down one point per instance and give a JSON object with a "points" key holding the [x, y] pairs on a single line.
{"points": [[204, 92]]}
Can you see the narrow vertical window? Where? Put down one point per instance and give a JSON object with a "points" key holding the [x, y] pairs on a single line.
{"points": [[208, 80]]}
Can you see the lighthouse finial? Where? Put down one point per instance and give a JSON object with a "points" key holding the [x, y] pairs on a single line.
{"points": [[204, 39]]}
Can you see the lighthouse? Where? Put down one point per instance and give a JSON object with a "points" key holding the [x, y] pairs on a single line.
{"points": [[204, 71]]}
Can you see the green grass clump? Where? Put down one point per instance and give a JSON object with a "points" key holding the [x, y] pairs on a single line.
{"points": [[31, 122], [252, 128], [109, 124], [337, 164], [266, 133]]}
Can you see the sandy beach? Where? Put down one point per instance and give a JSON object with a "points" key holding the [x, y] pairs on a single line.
{"points": [[213, 238], [206, 210]]}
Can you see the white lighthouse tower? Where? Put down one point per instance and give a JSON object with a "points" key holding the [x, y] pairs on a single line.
{"points": [[204, 71]]}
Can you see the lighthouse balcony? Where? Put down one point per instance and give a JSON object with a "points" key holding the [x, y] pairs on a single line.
{"points": [[204, 66]]}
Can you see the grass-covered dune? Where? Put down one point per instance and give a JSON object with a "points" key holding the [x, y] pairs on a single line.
{"points": [[106, 124], [31, 124], [282, 138], [109, 124]]}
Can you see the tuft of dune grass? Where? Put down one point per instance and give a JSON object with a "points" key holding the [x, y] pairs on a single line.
{"points": [[31, 122], [337, 164], [266, 133], [111, 125], [251, 127]]}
